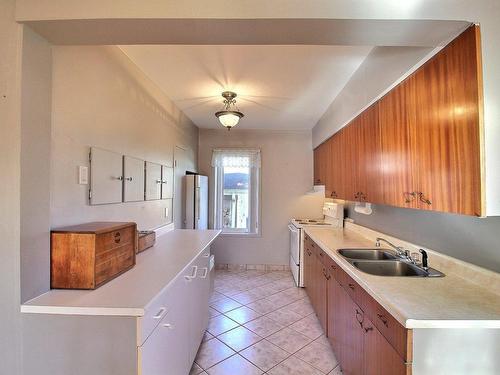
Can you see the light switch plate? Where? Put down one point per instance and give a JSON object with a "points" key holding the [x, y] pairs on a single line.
{"points": [[83, 175]]}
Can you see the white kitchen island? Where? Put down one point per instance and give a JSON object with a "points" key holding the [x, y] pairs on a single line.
{"points": [[149, 321]]}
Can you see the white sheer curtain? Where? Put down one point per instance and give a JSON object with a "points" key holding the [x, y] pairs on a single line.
{"points": [[236, 158]]}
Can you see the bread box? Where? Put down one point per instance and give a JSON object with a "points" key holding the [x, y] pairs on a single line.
{"points": [[87, 256]]}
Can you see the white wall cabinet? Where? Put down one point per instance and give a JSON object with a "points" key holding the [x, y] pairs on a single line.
{"points": [[106, 176], [133, 179], [167, 178], [153, 181]]}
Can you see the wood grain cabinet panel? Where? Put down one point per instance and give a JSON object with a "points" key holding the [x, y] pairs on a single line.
{"points": [[397, 143], [350, 161], [421, 145], [449, 128], [379, 357], [368, 180], [321, 156]]}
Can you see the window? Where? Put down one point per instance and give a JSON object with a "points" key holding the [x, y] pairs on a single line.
{"points": [[237, 190]]}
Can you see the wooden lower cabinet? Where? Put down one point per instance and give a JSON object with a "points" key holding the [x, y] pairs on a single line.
{"points": [[346, 312], [379, 357]]}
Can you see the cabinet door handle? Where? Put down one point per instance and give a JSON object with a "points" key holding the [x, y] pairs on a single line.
{"points": [[193, 274], [383, 319], [368, 329], [359, 318], [168, 325], [423, 199], [409, 197], [333, 267], [205, 273], [351, 286], [119, 178], [320, 254], [160, 313], [206, 255]]}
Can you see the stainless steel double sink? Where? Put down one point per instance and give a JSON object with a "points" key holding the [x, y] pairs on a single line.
{"points": [[384, 262]]}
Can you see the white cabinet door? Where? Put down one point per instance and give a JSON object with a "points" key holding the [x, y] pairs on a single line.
{"points": [[164, 352], [199, 292], [133, 179], [106, 176], [167, 176], [153, 181]]}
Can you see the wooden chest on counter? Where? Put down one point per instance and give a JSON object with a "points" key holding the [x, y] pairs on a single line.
{"points": [[147, 239], [87, 256]]}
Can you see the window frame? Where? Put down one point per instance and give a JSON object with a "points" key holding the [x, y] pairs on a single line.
{"points": [[254, 193]]}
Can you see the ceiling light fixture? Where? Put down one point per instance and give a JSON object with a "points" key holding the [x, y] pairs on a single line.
{"points": [[230, 115]]}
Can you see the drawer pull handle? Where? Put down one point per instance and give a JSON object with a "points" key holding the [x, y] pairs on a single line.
{"points": [[193, 274], [206, 255], [383, 319], [320, 254], [205, 272], [360, 320], [117, 237], [351, 286], [333, 267], [168, 325], [160, 313]]}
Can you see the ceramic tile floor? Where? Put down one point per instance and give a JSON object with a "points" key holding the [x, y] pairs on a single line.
{"points": [[260, 323]]}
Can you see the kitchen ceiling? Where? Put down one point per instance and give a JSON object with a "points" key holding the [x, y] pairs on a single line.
{"points": [[279, 87]]}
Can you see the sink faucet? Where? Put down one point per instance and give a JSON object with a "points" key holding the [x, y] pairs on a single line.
{"points": [[399, 250]]}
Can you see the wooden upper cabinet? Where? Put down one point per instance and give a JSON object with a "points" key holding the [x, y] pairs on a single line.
{"points": [[421, 145], [321, 156], [449, 128], [349, 161], [334, 183], [368, 180], [397, 138]]}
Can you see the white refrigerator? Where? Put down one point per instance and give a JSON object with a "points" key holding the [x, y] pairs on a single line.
{"points": [[196, 193]]}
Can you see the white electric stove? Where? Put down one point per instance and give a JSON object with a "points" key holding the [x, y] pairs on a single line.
{"points": [[333, 218]]}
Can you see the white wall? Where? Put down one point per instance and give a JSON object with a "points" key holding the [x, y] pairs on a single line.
{"points": [[36, 98], [285, 176], [379, 71], [10, 165], [101, 99]]}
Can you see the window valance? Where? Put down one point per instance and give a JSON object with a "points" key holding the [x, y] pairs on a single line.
{"points": [[236, 158]]}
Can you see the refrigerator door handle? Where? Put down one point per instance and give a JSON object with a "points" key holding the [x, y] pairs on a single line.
{"points": [[197, 203]]}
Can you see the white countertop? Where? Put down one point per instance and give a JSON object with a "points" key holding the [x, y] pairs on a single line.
{"points": [[446, 302], [130, 293]]}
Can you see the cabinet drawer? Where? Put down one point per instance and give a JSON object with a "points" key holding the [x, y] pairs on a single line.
{"points": [[155, 311], [355, 291], [397, 335], [114, 239]]}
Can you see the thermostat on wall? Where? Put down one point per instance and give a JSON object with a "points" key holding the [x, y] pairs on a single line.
{"points": [[83, 175]]}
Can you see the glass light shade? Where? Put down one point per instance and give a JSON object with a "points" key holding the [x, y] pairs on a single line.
{"points": [[229, 118]]}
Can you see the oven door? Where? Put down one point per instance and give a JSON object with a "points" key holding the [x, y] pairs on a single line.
{"points": [[294, 243]]}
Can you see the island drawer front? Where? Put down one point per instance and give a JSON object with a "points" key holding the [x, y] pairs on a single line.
{"points": [[397, 335], [155, 311]]}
